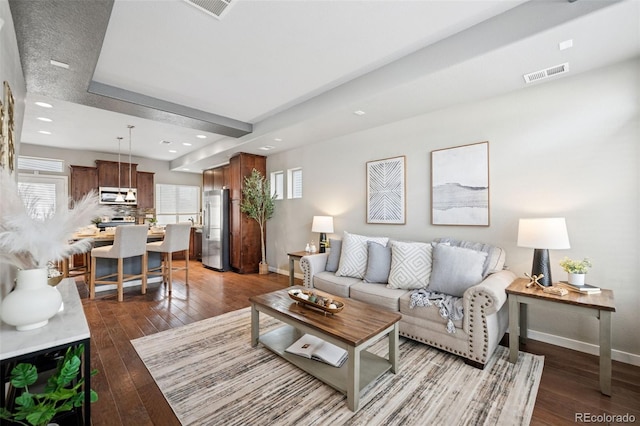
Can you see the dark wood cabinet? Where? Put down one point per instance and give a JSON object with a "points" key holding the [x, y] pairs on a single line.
{"points": [[83, 180], [146, 193], [108, 174], [245, 245], [217, 178]]}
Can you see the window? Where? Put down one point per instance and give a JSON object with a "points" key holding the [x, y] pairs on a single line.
{"points": [[40, 164], [294, 189], [44, 194], [177, 203], [277, 184]]}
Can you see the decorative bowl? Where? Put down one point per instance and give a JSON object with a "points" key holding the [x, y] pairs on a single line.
{"points": [[313, 300]]}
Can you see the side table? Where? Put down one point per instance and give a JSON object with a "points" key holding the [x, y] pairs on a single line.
{"points": [[600, 305], [293, 256]]}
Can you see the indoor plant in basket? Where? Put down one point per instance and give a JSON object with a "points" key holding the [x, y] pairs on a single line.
{"points": [[62, 392], [29, 240], [576, 269], [258, 204]]}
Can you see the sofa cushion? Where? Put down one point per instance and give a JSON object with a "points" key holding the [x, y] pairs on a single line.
{"points": [[377, 294], [410, 265], [455, 269], [329, 282], [334, 255], [378, 263], [353, 258], [429, 313], [495, 255]]}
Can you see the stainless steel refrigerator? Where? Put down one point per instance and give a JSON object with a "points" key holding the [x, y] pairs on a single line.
{"points": [[215, 229]]}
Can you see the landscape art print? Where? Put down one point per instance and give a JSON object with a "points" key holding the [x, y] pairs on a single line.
{"points": [[460, 185], [385, 191]]}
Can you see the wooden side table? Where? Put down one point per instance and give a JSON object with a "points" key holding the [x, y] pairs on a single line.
{"points": [[599, 305], [293, 256]]}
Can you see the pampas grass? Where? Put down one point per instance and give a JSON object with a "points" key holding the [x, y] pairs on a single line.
{"points": [[31, 242]]}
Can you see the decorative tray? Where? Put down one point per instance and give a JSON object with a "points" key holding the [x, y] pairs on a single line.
{"points": [[311, 299]]}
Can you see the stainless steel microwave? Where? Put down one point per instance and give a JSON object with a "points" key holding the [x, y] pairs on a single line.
{"points": [[108, 195]]}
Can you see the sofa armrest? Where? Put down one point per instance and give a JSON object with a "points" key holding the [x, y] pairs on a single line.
{"points": [[312, 264], [492, 290]]}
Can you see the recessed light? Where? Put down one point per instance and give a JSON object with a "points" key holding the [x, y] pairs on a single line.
{"points": [[44, 132], [267, 147], [278, 140], [59, 64], [201, 136], [173, 151], [359, 112], [48, 120], [185, 169], [565, 44], [44, 105], [186, 144]]}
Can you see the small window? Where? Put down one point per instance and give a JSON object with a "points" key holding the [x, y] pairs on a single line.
{"points": [[177, 203], [277, 184], [294, 189], [40, 164]]}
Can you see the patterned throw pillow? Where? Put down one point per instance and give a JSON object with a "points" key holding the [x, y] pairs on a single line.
{"points": [[410, 265], [353, 258]]}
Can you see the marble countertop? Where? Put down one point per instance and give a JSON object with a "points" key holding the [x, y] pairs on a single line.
{"points": [[67, 326]]}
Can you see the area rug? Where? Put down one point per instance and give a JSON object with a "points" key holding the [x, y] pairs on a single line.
{"points": [[210, 375]]}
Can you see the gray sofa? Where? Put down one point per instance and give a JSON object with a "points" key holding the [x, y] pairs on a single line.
{"points": [[436, 271]]}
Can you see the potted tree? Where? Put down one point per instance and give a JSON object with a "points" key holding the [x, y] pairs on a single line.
{"points": [[258, 204]]}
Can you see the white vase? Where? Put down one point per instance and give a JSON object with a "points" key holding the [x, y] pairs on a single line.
{"points": [[576, 279], [32, 302]]}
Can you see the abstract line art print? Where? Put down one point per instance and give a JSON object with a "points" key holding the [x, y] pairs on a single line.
{"points": [[386, 191], [460, 185]]}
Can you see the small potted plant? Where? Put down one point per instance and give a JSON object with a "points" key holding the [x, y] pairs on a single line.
{"points": [[576, 269], [63, 391]]}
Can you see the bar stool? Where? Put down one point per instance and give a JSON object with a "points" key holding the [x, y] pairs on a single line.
{"points": [[129, 241], [76, 265], [176, 239]]}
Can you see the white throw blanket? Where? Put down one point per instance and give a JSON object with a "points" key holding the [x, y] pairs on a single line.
{"points": [[450, 306]]}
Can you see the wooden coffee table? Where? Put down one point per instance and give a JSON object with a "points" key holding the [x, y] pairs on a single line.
{"points": [[354, 329]]}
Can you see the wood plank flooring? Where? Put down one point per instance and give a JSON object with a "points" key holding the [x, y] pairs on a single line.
{"points": [[129, 396]]}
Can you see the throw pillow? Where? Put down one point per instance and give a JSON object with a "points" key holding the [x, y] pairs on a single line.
{"points": [[495, 255], [455, 269], [353, 259], [378, 263], [334, 255], [410, 265]]}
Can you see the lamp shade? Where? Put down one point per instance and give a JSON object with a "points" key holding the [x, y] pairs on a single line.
{"points": [[322, 224], [543, 233]]}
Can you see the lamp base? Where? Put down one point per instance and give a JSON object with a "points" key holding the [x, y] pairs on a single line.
{"points": [[541, 266], [323, 242]]}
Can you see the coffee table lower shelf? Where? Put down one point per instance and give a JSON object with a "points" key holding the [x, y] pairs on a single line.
{"points": [[371, 366]]}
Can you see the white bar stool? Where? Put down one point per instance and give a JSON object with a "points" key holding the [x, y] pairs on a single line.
{"points": [[129, 241], [176, 239]]}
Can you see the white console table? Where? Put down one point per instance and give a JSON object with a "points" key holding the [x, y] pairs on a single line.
{"points": [[67, 328]]}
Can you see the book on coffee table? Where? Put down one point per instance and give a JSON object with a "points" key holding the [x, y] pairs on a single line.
{"points": [[312, 347]]}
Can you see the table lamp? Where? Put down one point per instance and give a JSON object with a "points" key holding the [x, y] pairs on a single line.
{"points": [[322, 224], [543, 234]]}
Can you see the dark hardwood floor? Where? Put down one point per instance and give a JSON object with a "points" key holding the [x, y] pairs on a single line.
{"points": [[129, 396]]}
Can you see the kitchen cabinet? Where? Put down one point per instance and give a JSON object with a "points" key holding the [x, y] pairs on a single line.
{"points": [[108, 174], [217, 178], [83, 180], [245, 245], [145, 186]]}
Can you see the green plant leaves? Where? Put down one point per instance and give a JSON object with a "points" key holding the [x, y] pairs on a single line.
{"points": [[24, 375]]}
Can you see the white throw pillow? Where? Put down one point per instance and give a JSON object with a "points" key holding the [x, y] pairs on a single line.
{"points": [[410, 265], [353, 258], [455, 269]]}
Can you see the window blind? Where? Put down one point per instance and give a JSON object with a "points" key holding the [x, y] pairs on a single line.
{"points": [[177, 203]]}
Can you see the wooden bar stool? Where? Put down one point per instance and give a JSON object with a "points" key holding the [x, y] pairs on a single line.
{"points": [[129, 241], [176, 239], [76, 265]]}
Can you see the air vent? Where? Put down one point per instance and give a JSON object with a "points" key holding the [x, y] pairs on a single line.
{"points": [[546, 73], [215, 8], [165, 142]]}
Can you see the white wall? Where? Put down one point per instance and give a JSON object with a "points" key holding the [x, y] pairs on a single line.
{"points": [[11, 71], [561, 148]]}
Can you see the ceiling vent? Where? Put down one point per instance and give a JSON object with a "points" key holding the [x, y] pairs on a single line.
{"points": [[546, 73], [215, 8]]}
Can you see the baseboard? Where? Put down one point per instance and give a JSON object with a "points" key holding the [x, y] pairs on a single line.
{"points": [[576, 345]]}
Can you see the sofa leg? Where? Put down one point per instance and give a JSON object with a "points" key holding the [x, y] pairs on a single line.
{"points": [[475, 364]]}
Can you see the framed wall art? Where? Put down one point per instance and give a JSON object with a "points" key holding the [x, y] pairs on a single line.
{"points": [[7, 143], [460, 185], [386, 191]]}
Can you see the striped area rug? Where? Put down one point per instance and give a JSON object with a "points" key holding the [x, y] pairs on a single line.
{"points": [[211, 375]]}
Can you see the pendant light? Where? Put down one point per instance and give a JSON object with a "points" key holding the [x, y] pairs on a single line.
{"points": [[119, 197], [130, 195]]}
